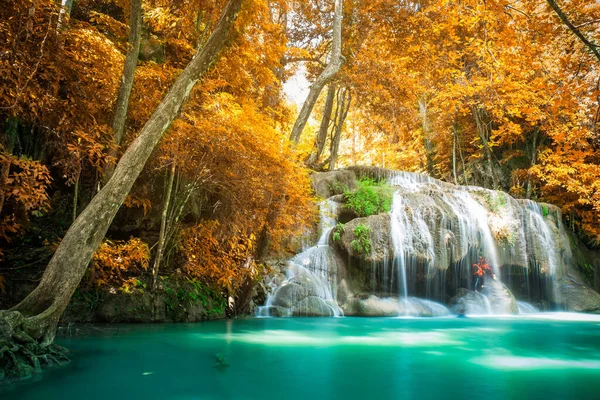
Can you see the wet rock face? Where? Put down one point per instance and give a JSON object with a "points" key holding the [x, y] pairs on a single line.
{"points": [[303, 294], [577, 297], [440, 224], [495, 298], [500, 297]]}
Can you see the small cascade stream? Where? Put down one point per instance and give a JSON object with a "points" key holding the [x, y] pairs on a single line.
{"points": [[310, 286]]}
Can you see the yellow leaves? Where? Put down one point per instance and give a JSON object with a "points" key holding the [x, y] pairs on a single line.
{"points": [[116, 262]]}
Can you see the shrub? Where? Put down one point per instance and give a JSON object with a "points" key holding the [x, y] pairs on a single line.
{"points": [[118, 263], [337, 232], [362, 242], [370, 198]]}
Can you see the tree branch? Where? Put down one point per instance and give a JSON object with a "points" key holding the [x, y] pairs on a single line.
{"points": [[592, 46]]}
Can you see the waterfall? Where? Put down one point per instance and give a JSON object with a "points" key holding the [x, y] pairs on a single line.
{"points": [[422, 253], [446, 226], [310, 286]]}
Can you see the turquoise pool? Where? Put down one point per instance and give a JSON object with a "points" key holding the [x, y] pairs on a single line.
{"points": [[546, 356]]}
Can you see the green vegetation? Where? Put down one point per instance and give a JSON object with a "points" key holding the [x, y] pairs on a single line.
{"points": [[194, 291], [337, 232], [338, 187], [362, 242], [372, 197], [545, 210], [496, 201]]}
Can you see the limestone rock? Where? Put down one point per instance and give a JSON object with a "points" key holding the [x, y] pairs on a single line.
{"points": [[327, 184], [500, 297], [577, 297]]}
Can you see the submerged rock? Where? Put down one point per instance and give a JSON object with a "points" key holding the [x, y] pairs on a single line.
{"points": [[374, 306], [500, 297], [470, 302]]}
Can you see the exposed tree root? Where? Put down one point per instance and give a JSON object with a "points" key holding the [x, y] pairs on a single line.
{"points": [[21, 355]]}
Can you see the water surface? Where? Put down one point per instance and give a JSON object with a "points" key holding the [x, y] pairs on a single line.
{"points": [[533, 357]]}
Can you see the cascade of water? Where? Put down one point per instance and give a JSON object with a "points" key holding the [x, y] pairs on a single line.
{"points": [[316, 266], [526, 308]]}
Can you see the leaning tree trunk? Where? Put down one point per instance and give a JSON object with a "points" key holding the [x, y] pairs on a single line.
{"points": [[324, 128], [332, 68], [43, 307], [131, 60]]}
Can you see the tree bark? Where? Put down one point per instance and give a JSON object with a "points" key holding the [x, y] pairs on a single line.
{"points": [[426, 126], [46, 303], [454, 140], [324, 128], [344, 99], [563, 17], [483, 136], [532, 162], [65, 10], [131, 60], [330, 71], [161, 238]]}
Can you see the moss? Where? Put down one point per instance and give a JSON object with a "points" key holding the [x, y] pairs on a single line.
{"points": [[370, 198], [362, 242]]}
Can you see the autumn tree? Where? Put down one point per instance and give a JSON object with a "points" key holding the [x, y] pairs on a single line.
{"points": [[37, 315]]}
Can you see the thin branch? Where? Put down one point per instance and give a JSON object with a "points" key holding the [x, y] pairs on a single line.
{"points": [[592, 46]]}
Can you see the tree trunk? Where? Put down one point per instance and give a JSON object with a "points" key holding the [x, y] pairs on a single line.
{"points": [[332, 68], [324, 128], [426, 126], [454, 140], [65, 11], [46, 303], [131, 60], [344, 99], [532, 161], [487, 151], [161, 238]]}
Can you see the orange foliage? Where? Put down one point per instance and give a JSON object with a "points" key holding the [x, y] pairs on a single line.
{"points": [[220, 256], [23, 192], [117, 263]]}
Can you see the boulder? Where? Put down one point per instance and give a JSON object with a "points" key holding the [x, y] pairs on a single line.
{"points": [[313, 306], [327, 184], [470, 302], [574, 296], [500, 297], [372, 306], [379, 226]]}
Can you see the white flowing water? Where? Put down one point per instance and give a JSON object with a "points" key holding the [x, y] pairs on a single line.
{"points": [[527, 308], [434, 221], [317, 265]]}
